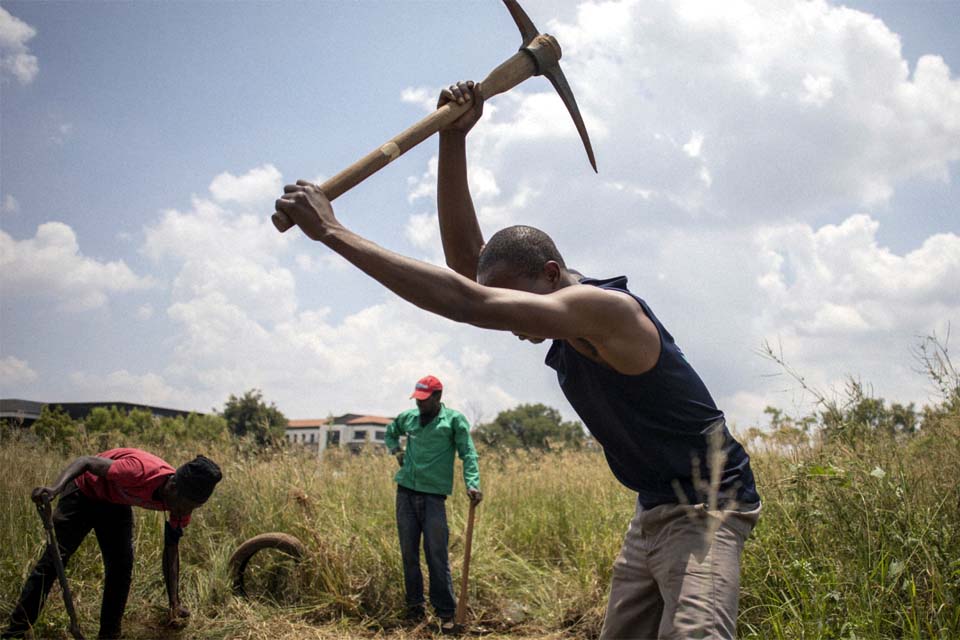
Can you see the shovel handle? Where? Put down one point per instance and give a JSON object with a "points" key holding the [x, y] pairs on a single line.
{"points": [[512, 72]]}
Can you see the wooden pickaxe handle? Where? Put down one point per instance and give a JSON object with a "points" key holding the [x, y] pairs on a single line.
{"points": [[515, 70], [53, 547], [461, 614]]}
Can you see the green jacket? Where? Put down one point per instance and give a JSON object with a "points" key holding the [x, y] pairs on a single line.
{"points": [[428, 459]]}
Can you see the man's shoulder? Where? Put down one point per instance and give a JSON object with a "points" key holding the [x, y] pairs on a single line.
{"points": [[404, 416], [452, 414]]}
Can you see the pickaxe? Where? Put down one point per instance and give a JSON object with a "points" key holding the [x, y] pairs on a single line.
{"points": [[53, 548], [539, 54]]}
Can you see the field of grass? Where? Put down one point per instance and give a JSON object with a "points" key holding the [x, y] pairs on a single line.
{"points": [[856, 540]]}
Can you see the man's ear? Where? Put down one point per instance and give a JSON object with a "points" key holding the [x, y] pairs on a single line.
{"points": [[552, 270]]}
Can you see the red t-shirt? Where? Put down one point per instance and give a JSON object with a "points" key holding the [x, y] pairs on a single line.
{"points": [[132, 479]]}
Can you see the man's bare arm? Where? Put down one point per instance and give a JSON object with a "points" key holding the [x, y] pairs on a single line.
{"points": [[572, 312], [171, 574], [79, 466], [459, 230]]}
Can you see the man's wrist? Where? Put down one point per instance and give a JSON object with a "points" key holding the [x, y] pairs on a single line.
{"points": [[453, 141], [333, 234]]}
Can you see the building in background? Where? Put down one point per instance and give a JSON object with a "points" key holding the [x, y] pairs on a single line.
{"points": [[26, 412], [350, 430]]}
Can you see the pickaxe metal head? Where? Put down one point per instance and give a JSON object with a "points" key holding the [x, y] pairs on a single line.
{"points": [[539, 55], [546, 56]]}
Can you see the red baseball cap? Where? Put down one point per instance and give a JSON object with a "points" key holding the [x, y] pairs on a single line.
{"points": [[425, 387]]}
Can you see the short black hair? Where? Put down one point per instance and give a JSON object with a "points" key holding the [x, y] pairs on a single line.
{"points": [[525, 248]]}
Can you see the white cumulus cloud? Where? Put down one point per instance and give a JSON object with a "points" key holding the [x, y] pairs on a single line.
{"points": [[838, 279], [15, 57], [804, 106], [216, 250], [256, 187], [839, 303], [51, 265], [14, 371]]}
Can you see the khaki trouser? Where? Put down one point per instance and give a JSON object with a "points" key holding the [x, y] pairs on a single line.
{"points": [[678, 573]]}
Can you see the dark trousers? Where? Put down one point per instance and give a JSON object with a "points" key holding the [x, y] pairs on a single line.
{"points": [[73, 518], [425, 514]]}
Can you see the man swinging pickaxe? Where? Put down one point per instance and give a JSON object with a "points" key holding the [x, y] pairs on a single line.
{"points": [[678, 572], [539, 55]]}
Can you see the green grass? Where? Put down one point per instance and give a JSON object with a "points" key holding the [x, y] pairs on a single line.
{"points": [[854, 542]]}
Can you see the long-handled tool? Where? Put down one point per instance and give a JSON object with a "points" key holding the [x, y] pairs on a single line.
{"points": [[539, 54], [461, 614], [46, 516]]}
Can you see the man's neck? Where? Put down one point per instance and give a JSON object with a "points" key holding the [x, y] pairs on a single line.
{"points": [[427, 418], [569, 278]]}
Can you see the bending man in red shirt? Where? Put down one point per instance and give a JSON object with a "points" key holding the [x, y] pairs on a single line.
{"points": [[96, 492]]}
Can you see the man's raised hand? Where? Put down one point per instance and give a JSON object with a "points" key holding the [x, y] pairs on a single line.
{"points": [[462, 93], [309, 209]]}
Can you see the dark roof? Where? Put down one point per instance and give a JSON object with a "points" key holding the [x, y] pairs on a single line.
{"points": [[29, 410], [16, 408]]}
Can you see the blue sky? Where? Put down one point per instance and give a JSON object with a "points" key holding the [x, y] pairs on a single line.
{"points": [[769, 171]]}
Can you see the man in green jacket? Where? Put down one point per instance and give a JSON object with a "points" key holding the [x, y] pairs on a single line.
{"points": [[424, 481]]}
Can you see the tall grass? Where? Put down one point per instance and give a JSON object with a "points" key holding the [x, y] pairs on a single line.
{"points": [[855, 541]]}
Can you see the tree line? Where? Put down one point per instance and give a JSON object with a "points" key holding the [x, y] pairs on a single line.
{"points": [[532, 427]]}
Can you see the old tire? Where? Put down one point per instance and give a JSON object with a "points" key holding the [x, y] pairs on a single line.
{"points": [[282, 542]]}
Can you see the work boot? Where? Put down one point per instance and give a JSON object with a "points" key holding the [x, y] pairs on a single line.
{"points": [[414, 615], [16, 629], [450, 628]]}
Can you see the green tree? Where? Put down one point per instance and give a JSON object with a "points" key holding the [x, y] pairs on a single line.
{"points": [[784, 430], [106, 419], [55, 427], [250, 415], [530, 426], [195, 427], [862, 414]]}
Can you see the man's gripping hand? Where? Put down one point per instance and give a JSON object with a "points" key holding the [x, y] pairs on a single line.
{"points": [[475, 495], [309, 209], [39, 493], [462, 93]]}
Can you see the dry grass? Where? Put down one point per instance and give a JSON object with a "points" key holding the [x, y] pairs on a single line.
{"points": [[857, 541]]}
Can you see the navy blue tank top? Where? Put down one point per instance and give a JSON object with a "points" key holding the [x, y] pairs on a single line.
{"points": [[653, 427]]}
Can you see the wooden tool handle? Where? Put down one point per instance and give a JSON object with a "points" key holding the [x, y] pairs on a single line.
{"points": [[461, 613], [53, 548], [515, 70]]}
